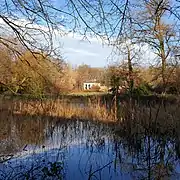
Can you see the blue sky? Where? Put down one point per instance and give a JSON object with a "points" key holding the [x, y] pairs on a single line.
{"points": [[73, 49], [77, 51]]}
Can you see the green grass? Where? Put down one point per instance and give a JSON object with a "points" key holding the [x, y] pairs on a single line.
{"points": [[84, 93]]}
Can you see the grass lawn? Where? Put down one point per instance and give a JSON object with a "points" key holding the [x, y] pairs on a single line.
{"points": [[84, 93]]}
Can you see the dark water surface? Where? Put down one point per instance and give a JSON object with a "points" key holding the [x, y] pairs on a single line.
{"points": [[45, 148]]}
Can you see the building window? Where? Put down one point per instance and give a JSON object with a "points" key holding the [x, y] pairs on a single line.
{"points": [[86, 86]]}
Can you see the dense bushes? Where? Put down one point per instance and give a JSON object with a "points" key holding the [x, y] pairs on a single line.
{"points": [[142, 89], [33, 73]]}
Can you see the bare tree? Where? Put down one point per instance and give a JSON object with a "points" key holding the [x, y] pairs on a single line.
{"points": [[34, 23], [106, 19], [31, 24], [157, 32], [130, 53], [152, 22]]}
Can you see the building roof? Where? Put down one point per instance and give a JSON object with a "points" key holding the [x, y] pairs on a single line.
{"points": [[91, 81]]}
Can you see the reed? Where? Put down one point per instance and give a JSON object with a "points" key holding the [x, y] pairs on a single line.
{"points": [[58, 108]]}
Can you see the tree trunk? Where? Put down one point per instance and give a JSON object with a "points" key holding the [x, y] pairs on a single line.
{"points": [[163, 64], [130, 70]]}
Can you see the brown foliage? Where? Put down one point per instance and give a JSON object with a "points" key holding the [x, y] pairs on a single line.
{"points": [[33, 73]]}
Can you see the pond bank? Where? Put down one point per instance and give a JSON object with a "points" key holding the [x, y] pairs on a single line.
{"points": [[58, 108], [106, 97], [97, 108]]}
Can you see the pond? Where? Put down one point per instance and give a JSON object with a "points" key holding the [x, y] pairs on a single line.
{"points": [[49, 148]]}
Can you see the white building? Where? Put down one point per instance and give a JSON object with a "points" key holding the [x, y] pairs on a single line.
{"points": [[89, 85]]}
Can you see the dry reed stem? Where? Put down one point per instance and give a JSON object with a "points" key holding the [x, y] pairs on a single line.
{"points": [[59, 108]]}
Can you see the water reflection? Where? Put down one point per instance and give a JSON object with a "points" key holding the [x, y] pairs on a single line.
{"points": [[19, 131], [84, 149]]}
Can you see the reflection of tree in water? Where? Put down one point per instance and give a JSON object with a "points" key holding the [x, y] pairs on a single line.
{"points": [[77, 132], [151, 139], [18, 131], [142, 145], [31, 131], [154, 159], [60, 136]]}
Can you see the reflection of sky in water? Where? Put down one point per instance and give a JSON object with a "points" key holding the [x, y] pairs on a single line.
{"points": [[79, 162], [84, 148]]}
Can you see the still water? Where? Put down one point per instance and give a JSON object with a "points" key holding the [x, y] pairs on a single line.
{"points": [[48, 148]]}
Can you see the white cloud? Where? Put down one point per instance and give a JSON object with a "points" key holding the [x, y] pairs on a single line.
{"points": [[81, 51], [74, 48], [77, 50]]}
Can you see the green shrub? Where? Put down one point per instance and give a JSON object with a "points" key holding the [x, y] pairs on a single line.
{"points": [[142, 89]]}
